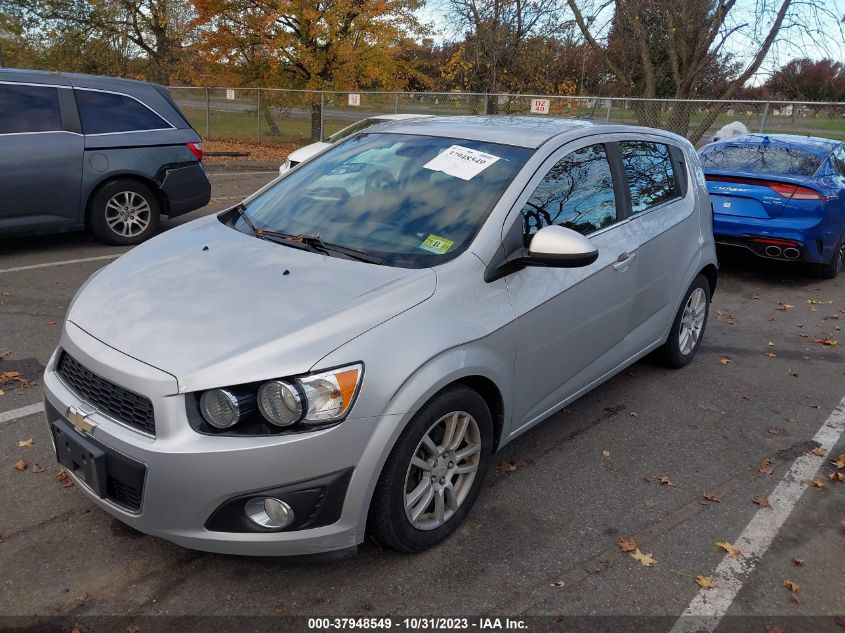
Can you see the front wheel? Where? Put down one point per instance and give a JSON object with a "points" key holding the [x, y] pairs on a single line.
{"points": [[688, 326], [434, 473]]}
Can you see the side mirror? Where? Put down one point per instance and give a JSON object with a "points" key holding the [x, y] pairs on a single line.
{"points": [[559, 247]]}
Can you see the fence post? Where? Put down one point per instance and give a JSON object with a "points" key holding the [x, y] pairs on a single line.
{"points": [[322, 113], [486, 99], [765, 117], [207, 128], [258, 112], [396, 106], [609, 104]]}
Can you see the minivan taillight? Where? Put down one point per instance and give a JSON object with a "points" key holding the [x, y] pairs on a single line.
{"points": [[196, 149]]}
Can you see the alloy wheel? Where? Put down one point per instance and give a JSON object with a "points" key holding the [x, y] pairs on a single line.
{"points": [[128, 213], [692, 321], [442, 470]]}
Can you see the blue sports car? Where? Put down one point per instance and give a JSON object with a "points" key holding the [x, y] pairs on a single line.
{"points": [[781, 196]]}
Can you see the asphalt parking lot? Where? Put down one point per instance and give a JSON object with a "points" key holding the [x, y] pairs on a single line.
{"points": [[631, 460]]}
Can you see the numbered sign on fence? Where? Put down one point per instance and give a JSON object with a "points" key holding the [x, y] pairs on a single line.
{"points": [[354, 99], [540, 106], [230, 94]]}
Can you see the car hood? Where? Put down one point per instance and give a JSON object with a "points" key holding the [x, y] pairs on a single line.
{"points": [[304, 153], [214, 306]]}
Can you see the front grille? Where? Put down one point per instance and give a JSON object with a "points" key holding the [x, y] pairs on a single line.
{"points": [[123, 405]]}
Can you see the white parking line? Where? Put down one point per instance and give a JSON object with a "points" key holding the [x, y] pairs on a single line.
{"points": [[709, 605], [61, 263], [14, 414]]}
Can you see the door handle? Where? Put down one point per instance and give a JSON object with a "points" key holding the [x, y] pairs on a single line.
{"points": [[623, 261]]}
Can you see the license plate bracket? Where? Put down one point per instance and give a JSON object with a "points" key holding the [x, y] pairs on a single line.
{"points": [[80, 457]]}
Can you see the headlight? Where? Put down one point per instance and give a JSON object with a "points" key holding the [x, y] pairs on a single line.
{"points": [[329, 395], [223, 408], [313, 400], [279, 403]]}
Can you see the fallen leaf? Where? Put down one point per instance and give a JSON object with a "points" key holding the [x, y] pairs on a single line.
{"points": [[839, 462], [733, 552], [731, 320], [82, 596], [818, 452], [771, 354], [51, 323], [775, 430], [37, 469], [755, 296], [771, 344], [509, 466], [797, 561], [836, 476], [725, 361], [557, 583], [133, 628], [627, 544], [21, 464], [816, 483], [793, 588], [826, 341], [24, 443], [766, 467], [763, 502], [605, 454], [771, 628], [711, 497], [783, 307], [665, 481], [645, 560], [75, 630], [705, 582], [817, 302], [634, 414], [793, 373], [63, 477], [2, 393], [647, 478]]}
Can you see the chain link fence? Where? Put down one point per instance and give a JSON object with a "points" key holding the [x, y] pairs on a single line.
{"points": [[276, 116]]}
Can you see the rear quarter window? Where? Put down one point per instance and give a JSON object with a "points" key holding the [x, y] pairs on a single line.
{"points": [[107, 113], [776, 160], [29, 109]]}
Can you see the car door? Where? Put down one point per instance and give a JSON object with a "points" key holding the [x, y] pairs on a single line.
{"points": [[571, 322], [663, 227], [40, 157]]}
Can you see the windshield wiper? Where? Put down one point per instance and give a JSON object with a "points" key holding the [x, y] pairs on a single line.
{"points": [[306, 242]]}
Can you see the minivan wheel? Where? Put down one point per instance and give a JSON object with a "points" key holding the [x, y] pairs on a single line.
{"points": [[434, 473], [124, 212], [831, 270], [688, 327]]}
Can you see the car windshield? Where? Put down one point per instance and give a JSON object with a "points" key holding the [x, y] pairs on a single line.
{"points": [[349, 130], [776, 160], [407, 200]]}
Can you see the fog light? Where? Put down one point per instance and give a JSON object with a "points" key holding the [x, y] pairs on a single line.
{"points": [[269, 512]]}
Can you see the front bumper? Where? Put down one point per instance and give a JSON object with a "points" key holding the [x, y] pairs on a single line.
{"points": [[806, 234], [189, 476]]}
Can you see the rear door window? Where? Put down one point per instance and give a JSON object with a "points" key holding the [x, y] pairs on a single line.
{"points": [[107, 113], [29, 109], [650, 172]]}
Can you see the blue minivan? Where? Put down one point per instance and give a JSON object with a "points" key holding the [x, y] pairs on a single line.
{"points": [[81, 151]]}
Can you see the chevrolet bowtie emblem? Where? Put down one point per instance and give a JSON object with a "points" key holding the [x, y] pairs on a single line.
{"points": [[78, 416]]}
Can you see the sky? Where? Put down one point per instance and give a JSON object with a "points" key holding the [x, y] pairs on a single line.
{"points": [[824, 37]]}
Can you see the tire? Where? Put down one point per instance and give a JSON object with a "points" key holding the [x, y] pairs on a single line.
{"points": [[676, 353], [124, 212], [831, 270], [389, 520]]}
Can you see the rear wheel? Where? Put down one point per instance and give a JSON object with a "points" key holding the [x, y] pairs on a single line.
{"points": [[688, 327], [124, 212], [434, 473], [831, 270]]}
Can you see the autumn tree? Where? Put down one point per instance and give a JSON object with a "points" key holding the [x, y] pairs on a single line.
{"points": [[808, 80], [681, 39]]}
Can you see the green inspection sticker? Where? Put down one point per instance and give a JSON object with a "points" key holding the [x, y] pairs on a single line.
{"points": [[437, 244]]}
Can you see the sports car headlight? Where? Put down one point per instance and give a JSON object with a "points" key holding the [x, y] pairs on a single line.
{"points": [[329, 395]]}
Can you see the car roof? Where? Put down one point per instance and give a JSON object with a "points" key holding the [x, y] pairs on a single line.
{"points": [[519, 131], [77, 80], [815, 145], [401, 117]]}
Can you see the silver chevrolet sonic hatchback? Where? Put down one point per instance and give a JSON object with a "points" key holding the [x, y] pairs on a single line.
{"points": [[346, 348]]}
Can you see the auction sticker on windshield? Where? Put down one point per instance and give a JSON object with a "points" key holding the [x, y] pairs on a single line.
{"points": [[461, 162], [436, 244]]}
